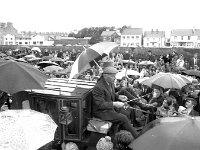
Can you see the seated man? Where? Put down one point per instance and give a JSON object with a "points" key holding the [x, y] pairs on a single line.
{"points": [[189, 108], [105, 100]]}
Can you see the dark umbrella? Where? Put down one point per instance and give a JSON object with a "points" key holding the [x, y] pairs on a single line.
{"points": [[170, 133], [18, 76], [44, 64], [192, 72]]}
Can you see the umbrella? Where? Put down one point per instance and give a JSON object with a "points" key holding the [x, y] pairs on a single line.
{"points": [[87, 57], [123, 73], [25, 46], [44, 64], [25, 129], [36, 49], [128, 61], [57, 59], [2, 55], [142, 79], [29, 56], [192, 72], [167, 80], [146, 63], [34, 59], [18, 76], [170, 133], [47, 58], [52, 68]]}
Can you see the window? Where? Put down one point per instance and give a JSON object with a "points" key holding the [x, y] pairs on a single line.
{"points": [[128, 37], [137, 44], [20, 43], [147, 39], [124, 37], [26, 42], [10, 38], [6, 38], [41, 42], [181, 37], [175, 37], [189, 37], [132, 44], [137, 37], [124, 44], [147, 44], [132, 37], [34, 42], [198, 38]]}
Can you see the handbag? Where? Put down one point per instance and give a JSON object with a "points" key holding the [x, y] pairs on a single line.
{"points": [[98, 125]]}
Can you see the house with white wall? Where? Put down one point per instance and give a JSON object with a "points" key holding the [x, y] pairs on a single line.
{"points": [[22, 39], [182, 38], [154, 38], [131, 37], [9, 39], [41, 40]]}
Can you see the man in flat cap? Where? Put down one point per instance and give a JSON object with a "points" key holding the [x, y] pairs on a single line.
{"points": [[105, 100]]}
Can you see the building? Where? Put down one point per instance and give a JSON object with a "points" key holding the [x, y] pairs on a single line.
{"points": [[154, 38], [183, 38], [41, 40], [110, 36], [131, 37], [22, 40], [196, 38], [8, 39]]}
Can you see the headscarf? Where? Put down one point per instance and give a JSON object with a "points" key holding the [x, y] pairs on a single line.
{"points": [[104, 144]]}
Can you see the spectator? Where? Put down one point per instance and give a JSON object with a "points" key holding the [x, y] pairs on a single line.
{"points": [[126, 55], [189, 107], [122, 139], [69, 146], [104, 144]]}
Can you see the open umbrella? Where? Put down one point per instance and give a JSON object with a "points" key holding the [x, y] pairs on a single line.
{"points": [[170, 133], [192, 72], [57, 59], [87, 57], [125, 72], [52, 68], [25, 46], [2, 55], [146, 63], [25, 129], [44, 64], [18, 76], [36, 49], [128, 61], [47, 58], [167, 80]]}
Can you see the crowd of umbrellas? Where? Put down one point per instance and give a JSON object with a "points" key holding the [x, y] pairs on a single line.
{"points": [[19, 132]]}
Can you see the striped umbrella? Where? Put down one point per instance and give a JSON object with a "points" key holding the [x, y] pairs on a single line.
{"points": [[90, 56]]}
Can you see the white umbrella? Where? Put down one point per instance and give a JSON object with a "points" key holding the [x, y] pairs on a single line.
{"points": [[123, 73], [90, 56], [36, 49], [52, 68], [25, 129]]}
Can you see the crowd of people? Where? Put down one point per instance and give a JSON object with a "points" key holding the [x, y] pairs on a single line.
{"points": [[127, 103]]}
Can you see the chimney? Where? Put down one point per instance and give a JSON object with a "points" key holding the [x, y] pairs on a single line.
{"points": [[2, 25], [9, 24]]}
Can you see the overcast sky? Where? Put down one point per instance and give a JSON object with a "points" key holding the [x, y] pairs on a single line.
{"points": [[69, 15]]}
